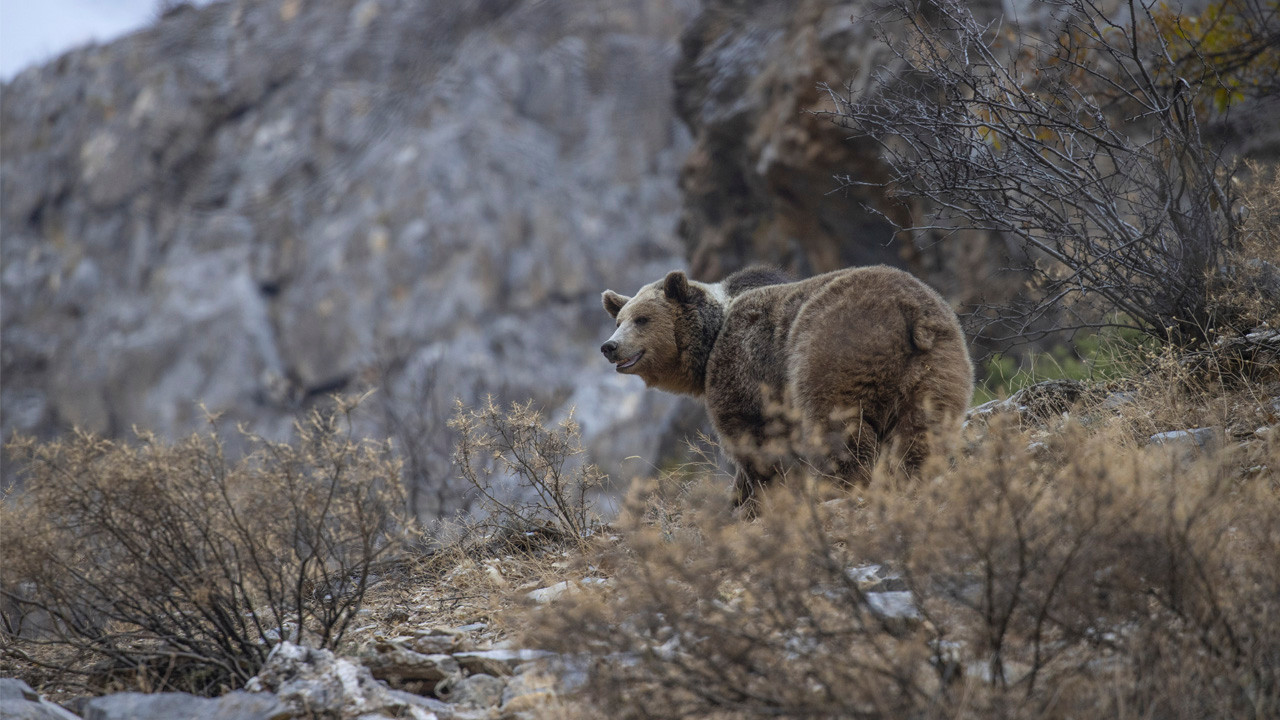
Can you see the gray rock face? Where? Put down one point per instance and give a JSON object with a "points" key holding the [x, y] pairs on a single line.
{"points": [[253, 204], [758, 184], [758, 181]]}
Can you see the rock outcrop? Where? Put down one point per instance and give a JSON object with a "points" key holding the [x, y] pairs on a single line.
{"points": [[760, 182]]}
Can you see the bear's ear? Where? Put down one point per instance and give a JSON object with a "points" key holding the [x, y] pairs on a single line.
{"points": [[613, 302], [676, 287]]}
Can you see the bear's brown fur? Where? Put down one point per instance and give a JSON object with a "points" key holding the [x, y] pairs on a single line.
{"points": [[828, 372]]}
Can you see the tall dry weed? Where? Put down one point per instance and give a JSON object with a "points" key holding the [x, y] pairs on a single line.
{"points": [[533, 481]]}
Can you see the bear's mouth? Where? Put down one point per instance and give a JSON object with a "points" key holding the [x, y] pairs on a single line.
{"points": [[630, 361]]}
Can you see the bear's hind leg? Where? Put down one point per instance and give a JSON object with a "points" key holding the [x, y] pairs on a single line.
{"points": [[857, 447]]}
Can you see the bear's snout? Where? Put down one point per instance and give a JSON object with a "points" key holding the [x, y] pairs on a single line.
{"points": [[609, 348]]}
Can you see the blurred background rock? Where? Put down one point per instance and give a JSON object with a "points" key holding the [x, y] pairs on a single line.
{"points": [[254, 204]]}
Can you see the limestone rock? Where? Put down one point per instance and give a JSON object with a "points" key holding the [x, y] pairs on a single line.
{"points": [[401, 663], [498, 662], [1036, 403], [316, 682], [432, 643], [479, 690], [1201, 438]]}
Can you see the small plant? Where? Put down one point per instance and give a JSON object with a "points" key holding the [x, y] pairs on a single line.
{"points": [[172, 562], [1095, 356], [532, 480]]}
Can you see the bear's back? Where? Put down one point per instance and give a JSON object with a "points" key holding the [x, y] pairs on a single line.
{"points": [[756, 276]]}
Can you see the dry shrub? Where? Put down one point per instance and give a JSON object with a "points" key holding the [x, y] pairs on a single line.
{"points": [[1086, 145], [181, 567], [1083, 574], [533, 481]]}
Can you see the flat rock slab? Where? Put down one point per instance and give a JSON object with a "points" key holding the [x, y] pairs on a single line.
{"points": [[237, 705], [497, 662], [1197, 437], [404, 664]]}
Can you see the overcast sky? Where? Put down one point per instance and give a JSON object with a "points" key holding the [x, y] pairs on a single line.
{"points": [[35, 31]]}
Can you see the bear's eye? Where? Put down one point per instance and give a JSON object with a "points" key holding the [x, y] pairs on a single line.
{"points": [[642, 320]]}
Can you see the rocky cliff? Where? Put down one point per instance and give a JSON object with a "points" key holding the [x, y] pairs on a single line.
{"points": [[255, 203]]}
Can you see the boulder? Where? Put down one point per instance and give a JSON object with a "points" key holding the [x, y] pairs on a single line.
{"points": [[19, 702], [315, 682], [1193, 438], [400, 663], [480, 690], [499, 661]]}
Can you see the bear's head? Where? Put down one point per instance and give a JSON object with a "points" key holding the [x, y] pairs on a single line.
{"points": [[664, 334]]}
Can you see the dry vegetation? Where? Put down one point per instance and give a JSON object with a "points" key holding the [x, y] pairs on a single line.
{"points": [[1048, 572], [168, 565], [532, 480], [1056, 565]]}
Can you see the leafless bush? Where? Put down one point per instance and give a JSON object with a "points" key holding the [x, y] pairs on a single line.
{"points": [[173, 562], [1083, 142], [532, 480], [1079, 576]]}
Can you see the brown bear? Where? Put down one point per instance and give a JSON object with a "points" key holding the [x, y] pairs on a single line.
{"points": [[828, 373]]}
